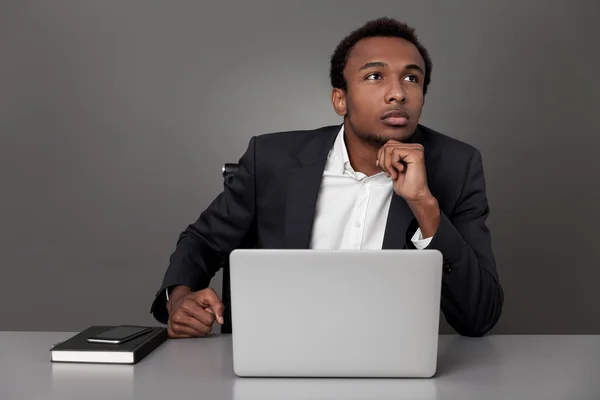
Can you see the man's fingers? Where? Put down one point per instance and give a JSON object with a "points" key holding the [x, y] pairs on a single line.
{"points": [[200, 324], [398, 166], [208, 298], [408, 153], [174, 333], [389, 158], [188, 331], [195, 314], [222, 321], [180, 331], [196, 310], [393, 157], [382, 160]]}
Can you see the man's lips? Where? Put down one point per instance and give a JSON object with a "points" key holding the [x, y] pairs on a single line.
{"points": [[395, 118]]}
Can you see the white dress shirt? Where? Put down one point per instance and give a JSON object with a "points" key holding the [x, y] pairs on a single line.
{"points": [[352, 208]]}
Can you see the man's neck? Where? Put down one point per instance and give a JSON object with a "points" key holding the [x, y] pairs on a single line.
{"points": [[362, 154]]}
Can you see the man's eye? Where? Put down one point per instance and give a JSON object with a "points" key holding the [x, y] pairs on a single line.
{"points": [[373, 76], [412, 78]]}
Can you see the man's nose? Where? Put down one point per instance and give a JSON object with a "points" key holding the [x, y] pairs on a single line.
{"points": [[395, 93]]}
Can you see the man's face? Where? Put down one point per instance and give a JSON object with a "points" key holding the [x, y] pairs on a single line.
{"points": [[384, 99]]}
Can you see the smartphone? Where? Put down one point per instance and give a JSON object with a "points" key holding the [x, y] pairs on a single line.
{"points": [[119, 334]]}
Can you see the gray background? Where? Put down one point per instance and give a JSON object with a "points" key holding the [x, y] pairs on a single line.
{"points": [[115, 118]]}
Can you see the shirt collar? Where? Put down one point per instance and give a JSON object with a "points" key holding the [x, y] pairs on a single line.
{"points": [[338, 160]]}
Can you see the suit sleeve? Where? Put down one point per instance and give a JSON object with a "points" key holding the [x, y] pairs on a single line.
{"points": [[472, 297], [204, 246]]}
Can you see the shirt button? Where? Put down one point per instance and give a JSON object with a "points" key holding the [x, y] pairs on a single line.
{"points": [[357, 224]]}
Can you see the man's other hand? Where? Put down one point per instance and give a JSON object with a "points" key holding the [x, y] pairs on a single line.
{"points": [[192, 314]]}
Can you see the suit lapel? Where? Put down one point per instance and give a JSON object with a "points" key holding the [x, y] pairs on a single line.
{"points": [[302, 195], [303, 188], [400, 216]]}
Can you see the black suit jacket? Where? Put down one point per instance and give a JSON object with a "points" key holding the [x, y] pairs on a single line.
{"points": [[272, 199]]}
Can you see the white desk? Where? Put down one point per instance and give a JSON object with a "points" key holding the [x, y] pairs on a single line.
{"points": [[490, 368]]}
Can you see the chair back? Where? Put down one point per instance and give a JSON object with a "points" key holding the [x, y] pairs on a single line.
{"points": [[228, 171]]}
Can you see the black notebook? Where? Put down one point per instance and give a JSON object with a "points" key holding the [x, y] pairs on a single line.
{"points": [[78, 349]]}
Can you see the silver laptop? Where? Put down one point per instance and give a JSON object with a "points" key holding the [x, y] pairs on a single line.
{"points": [[335, 313]]}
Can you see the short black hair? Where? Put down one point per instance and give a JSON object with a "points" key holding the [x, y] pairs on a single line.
{"points": [[382, 27]]}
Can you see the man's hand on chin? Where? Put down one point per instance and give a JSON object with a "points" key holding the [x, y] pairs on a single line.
{"points": [[404, 163]]}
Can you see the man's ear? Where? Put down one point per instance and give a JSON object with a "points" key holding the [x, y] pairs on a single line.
{"points": [[338, 100]]}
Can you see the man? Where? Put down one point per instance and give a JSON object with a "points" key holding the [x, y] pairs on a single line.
{"points": [[380, 180]]}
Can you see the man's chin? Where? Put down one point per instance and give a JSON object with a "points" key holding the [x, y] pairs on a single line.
{"points": [[382, 138], [377, 139]]}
